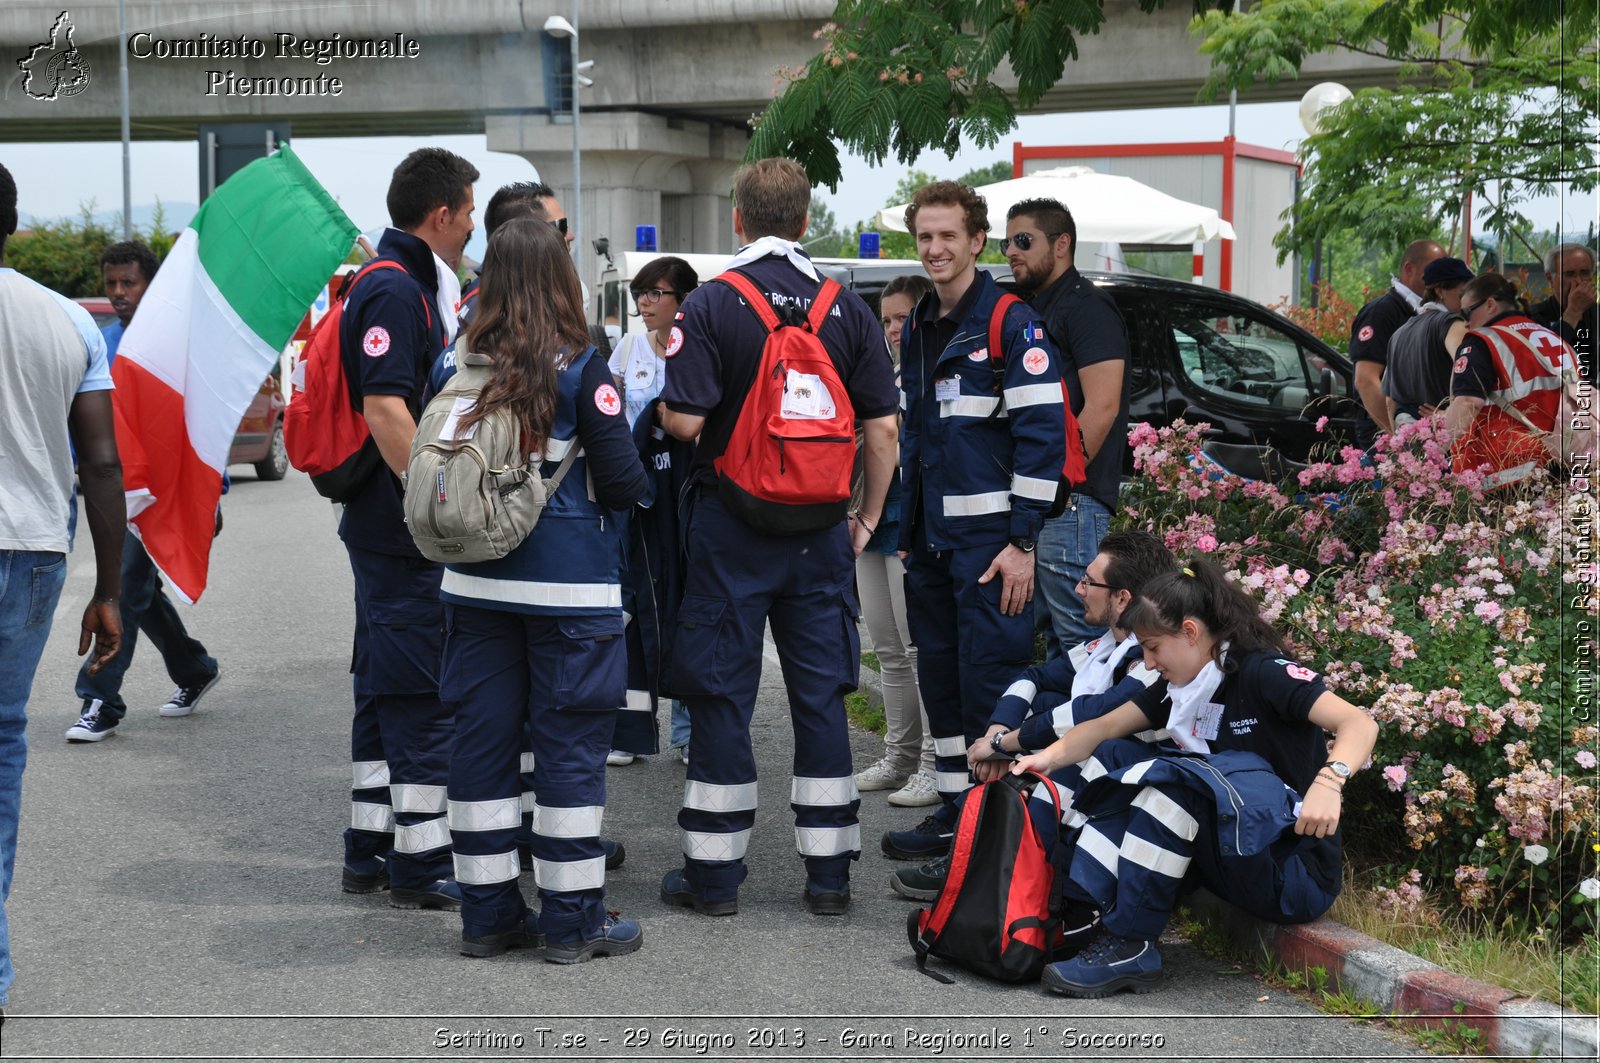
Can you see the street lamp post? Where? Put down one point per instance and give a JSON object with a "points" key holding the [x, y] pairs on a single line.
{"points": [[559, 27], [1317, 99]]}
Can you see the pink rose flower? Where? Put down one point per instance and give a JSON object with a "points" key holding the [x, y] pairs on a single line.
{"points": [[1206, 543], [1585, 759], [1395, 776]]}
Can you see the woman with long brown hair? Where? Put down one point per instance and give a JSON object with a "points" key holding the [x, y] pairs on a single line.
{"points": [[535, 639]]}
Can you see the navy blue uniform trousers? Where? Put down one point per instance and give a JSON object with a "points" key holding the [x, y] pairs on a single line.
{"points": [[738, 581], [400, 737], [968, 653], [559, 680]]}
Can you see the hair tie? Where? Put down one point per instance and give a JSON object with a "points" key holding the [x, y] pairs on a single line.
{"points": [[1188, 572]]}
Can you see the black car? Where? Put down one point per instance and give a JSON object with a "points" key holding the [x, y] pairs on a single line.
{"points": [[1205, 355]]}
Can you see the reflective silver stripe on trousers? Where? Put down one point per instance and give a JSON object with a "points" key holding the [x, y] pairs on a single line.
{"points": [[525, 592], [840, 791], [529, 801], [1153, 737], [1025, 689], [368, 774], [1148, 854], [1167, 812], [364, 815], [1092, 769], [950, 782], [969, 406], [421, 837], [410, 797], [553, 821], [1033, 395], [951, 746], [1135, 773], [827, 841], [1099, 847], [697, 846], [638, 701], [526, 763], [1034, 488], [485, 815], [571, 875], [980, 505], [487, 870], [712, 797]]}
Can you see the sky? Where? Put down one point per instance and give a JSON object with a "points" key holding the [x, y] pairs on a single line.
{"points": [[55, 180]]}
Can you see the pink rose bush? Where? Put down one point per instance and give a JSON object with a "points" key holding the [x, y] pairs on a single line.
{"points": [[1464, 621]]}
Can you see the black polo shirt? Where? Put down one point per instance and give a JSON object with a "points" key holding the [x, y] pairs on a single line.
{"points": [[1086, 325], [1580, 339], [1370, 332], [715, 348]]}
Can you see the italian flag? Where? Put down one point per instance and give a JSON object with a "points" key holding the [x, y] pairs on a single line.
{"points": [[211, 326]]}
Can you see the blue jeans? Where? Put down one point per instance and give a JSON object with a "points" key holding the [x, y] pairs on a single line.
{"points": [[680, 724], [1066, 546], [146, 607], [30, 586]]}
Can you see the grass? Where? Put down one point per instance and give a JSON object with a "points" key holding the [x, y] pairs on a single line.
{"points": [[863, 713], [1527, 967], [870, 659]]}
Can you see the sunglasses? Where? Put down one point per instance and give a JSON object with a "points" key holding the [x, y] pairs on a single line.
{"points": [[1024, 241], [560, 226], [1468, 311], [646, 296]]}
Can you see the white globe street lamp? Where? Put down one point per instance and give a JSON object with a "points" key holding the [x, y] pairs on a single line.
{"points": [[1319, 98]]}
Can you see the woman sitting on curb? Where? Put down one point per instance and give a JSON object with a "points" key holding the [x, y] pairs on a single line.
{"points": [[1247, 801]]}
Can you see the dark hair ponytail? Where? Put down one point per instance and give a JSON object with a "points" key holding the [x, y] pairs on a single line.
{"points": [[1201, 591]]}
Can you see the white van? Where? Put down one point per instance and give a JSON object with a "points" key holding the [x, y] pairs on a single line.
{"points": [[612, 304]]}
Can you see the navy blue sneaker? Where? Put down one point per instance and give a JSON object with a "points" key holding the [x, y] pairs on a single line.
{"points": [[526, 936], [369, 875], [95, 723], [1107, 965], [442, 895], [922, 843], [922, 883], [613, 937], [675, 889], [827, 900]]}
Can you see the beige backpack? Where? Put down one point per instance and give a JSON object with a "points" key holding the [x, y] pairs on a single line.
{"points": [[473, 497]]}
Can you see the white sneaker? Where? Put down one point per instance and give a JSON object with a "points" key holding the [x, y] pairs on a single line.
{"points": [[682, 753], [918, 791], [881, 776], [618, 758]]}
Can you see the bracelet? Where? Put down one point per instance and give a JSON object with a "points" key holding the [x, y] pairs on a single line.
{"points": [[1336, 789], [863, 522], [105, 601], [1332, 776]]}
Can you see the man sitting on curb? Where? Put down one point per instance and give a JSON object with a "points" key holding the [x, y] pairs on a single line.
{"points": [[1047, 700]]}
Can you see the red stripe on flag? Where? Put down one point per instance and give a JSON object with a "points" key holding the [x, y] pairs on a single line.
{"points": [[178, 526]]}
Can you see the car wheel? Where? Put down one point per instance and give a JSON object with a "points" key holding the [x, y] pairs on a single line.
{"points": [[276, 464]]}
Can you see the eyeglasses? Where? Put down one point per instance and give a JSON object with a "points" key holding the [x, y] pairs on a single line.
{"points": [[1024, 241], [560, 225], [647, 296], [1085, 581]]}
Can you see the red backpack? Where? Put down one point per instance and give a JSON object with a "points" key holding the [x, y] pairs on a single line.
{"points": [[324, 431], [786, 469], [997, 913], [1075, 470]]}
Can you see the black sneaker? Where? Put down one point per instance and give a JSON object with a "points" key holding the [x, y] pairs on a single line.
{"points": [[526, 936], [827, 901], [185, 700], [926, 840], [613, 937], [675, 889], [921, 883], [366, 876]]}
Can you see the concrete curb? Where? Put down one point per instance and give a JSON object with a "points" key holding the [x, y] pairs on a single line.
{"points": [[1399, 984]]}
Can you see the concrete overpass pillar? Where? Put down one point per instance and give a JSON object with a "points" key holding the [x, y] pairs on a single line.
{"points": [[638, 169]]}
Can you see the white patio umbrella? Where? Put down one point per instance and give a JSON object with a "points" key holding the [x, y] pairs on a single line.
{"points": [[1106, 207]]}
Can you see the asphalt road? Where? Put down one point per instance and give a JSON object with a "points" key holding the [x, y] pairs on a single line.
{"points": [[177, 891]]}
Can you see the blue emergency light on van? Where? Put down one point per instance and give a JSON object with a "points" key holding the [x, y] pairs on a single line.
{"points": [[644, 237], [869, 245]]}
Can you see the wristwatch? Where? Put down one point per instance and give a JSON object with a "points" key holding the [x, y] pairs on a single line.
{"points": [[1339, 768], [1023, 544], [994, 743]]}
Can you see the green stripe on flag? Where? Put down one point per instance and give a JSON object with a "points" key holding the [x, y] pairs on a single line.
{"points": [[269, 238]]}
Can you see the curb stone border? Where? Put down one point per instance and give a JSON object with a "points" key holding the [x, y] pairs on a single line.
{"points": [[1398, 983]]}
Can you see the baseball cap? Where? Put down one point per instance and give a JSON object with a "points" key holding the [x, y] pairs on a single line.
{"points": [[1442, 271]]}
